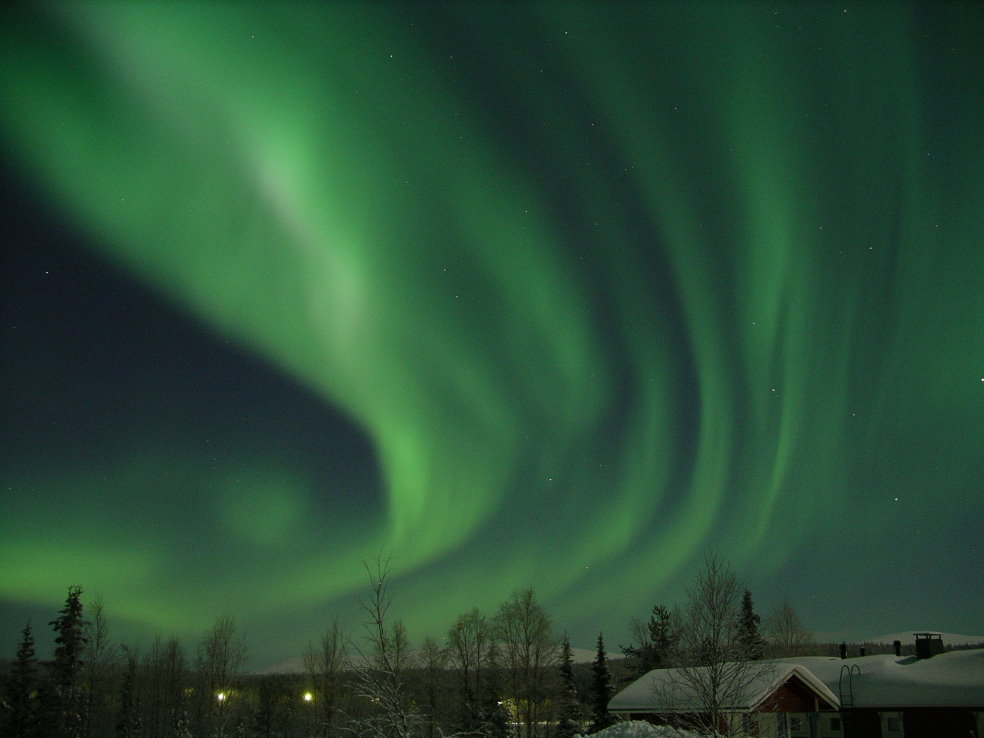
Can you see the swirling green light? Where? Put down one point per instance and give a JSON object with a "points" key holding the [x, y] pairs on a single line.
{"points": [[626, 280]]}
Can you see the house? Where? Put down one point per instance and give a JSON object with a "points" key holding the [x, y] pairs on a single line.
{"points": [[883, 696], [770, 699], [888, 696]]}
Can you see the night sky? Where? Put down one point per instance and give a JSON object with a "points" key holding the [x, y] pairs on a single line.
{"points": [[561, 295]]}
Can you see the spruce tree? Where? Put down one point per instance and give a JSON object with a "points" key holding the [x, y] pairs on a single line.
{"points": [[495, 716], [603, 689], [569, 709], [656, 639], [661, 635], [64, 703], [19, 719], [128, 718], [750, 640]]}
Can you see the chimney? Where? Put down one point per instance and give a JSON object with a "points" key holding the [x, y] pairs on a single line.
{"points": [[928, 645], [843, 650], [897, 645]]}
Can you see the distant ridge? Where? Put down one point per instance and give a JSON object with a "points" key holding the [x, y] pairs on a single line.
{"points": [[295, 664], [909, 636]]}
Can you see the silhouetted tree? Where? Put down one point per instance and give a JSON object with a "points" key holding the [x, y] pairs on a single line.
{"points": [[324, 665], [602, 689], [432, 662], [470, 639], [276, 700], [569, 709], [63, 699], [20, 703], [128, 719], [165, 671], [787, 634], [221, 658], [655, 640], [713, 665], [528, 652], [100, 658], [749, 637], [494, 713], [664, 627], [380, 679]]}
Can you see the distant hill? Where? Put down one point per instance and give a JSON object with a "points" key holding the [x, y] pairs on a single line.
{"points": [[586, 656], [909, 636]]}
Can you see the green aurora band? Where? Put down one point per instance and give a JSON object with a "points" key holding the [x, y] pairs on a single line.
{"points": [[602, 289]]}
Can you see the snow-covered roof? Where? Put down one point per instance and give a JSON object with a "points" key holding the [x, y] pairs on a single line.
{"points": [[953, 679], [665, 690], [908, 636]]}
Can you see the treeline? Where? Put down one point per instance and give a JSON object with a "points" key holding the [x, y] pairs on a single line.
{"points": [[499, 675], [716, 599], [495, 675]]}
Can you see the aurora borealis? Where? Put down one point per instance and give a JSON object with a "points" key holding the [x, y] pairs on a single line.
{"points": [[549, 294]]}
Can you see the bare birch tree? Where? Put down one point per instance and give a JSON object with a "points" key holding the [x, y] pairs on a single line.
{"points": [[385, 655], [221, 658], [716, 667], [470, 640], [165, 672], [324, 665], [529, 651], [432, 661], [100, 657], [787, 636]]}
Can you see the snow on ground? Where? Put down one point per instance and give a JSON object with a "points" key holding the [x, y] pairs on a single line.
{"points": [[641, 729]]}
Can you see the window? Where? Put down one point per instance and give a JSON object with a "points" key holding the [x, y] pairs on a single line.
{"points": [[891, 723], [835, 723], [799, 726]]}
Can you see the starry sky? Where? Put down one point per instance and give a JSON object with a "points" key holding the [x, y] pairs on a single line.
{"points": [[561, 295]]}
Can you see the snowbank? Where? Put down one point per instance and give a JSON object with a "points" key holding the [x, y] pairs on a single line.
{"points": [[640, 729]]}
